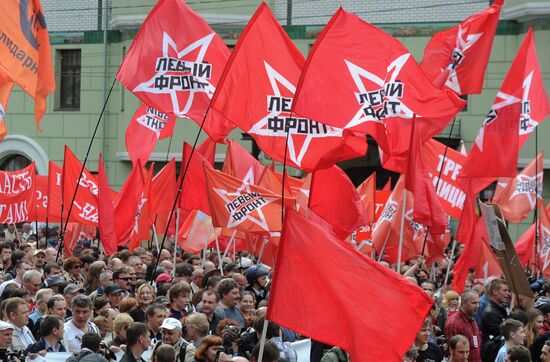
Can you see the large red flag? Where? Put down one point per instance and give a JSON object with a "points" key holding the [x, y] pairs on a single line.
{"points": [[334, 198], [146, 127], [195, 232], [359, 77], [256, 92], [55, 177], [85, 203], [303, 255], [107, 233], [457, 57], [25, 55], [142, 220], [163, 189], [427, 210], [543, 247], [41, 201], [240, 164], [522, 194], [367, 194], [525, 246], [17, 195], [127, 204], [239, 205], [194, 195], [208, 150]]}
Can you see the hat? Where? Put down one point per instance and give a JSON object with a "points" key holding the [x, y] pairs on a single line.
{"points": [[255, 272], [54, 280], [72, 288], [163, 278], [162, 300], [171, 324], [5, 325], [544, 308], [230, 267], [111, 289], [38, 251], [245, 263]]}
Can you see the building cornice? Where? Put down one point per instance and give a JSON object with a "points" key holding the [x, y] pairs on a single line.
{"points": [[123, 22], [526, 12], [161, 156]]}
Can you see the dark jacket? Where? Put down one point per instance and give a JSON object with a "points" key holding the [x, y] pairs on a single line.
{"points": [[491, 319], [87, 356]]}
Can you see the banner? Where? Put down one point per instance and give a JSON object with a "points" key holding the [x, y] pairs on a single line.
{"points": [[17, 195], [41, 201]]}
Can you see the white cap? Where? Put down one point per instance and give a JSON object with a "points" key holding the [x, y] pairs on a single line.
{"points": [[171, 324], [5, 325], [245, 263]]}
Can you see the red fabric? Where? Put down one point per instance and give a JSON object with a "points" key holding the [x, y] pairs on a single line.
{"points": [[146, 127], [17, 195], [269, 180], [304, 253], [107, 220], [127, 204], [525, 246], [163, 190], [41, 199], [142, 220], [195, 232], [387, 186], [520, 197], [175, 63], [543, 247], [343, 81], [256, 93], [240, 164], [457, 57], [208, 150], [236, 204], [85, 204], [334, 198], [438, 158], [193, 194], [55, 176], [6, 86], [427, 210], [367, 194]]}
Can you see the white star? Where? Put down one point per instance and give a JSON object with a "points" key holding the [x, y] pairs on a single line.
{"points": [[507, 99], [544, 246], [527, 180], [262, 128], [462, 44], [167, 43], [138, 213], [526, 123]]}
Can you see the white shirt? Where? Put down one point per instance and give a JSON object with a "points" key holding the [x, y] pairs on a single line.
{"points": [[73, 335]]}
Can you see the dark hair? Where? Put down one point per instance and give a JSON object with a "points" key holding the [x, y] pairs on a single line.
{"points": [[134, 331], [273, 328], [81, 301], [496, 284], [55, 298], [70, 263], [519, 315], [17, 256], [519, 354], [226, 286], [271, 352], [456, 339], [165, 353], [184, 270], [180, 288], [49, 266], [509, 326], [48, 324], [119, 271], [150, 311], [211, 292], [87, 259], [91, 341]]}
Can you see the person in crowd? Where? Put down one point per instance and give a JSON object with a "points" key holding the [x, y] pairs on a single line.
{"points": [[545, 352], [145, 296], [241, 281], [91, 350], [533, 327], [514, 335], [20, 269], [196, 280], [41, 307], [179, 301], [80, 324], [229, 297], [38, 260], [73, 267], [154, 316], [271, 352], [459, 349], [123, 278], [105, 279], [6, 334], [165, 353], [518, 354], [427, 351], [257, 281], [544, 308], [172, 334], [120, 326], [207, 350], [463, 323], [197, 327], [138, 339], [127, 304], [113, 293], [91, 280], [109, 314], [51, 330], [247, 309], [18, 316], [209, 305], [451, 302], [100, 303], [496, 311]]}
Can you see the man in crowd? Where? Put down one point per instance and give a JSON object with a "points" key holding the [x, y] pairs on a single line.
{"points": [[105, 279], [154, 316], [197, 327], [70, 292], [18, 316], [51, 329], [209, 304], [38, 260], [41, 308], [459, 349], [545, 353], [179, 300], [20, 269], [80, 324], [496, 312], [6, 334], [123, 279], [463, 323], [172, 334], [114, 295], [90, 351], [137, 336], [229, 297], [514, 335]]}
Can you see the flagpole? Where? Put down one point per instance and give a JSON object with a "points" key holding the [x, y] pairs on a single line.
{"points": [[82, 169], [535, 215], [156, 238], [229, 244], [220, 264], [450, 262], [176, 242], [399, 251], [264, 242], [212, 230], [384, 246]]}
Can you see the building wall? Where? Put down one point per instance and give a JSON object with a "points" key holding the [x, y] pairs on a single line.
{"points": [[75, 15]]}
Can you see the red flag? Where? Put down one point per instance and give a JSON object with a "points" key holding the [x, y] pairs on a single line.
{"points": [[107, 234], [193, 191], [445, 161], [543, 247], [427, 210], [237, 204], [146, 127], [163, 189], [85, 204], [208, 150], [17, 195], [387, 185], [256, 92], [457, 58], [195, 232], [334, 198], [269, 181], [41, 200], [522, 194], [55, 177], [240, 164], [303, 256], [367, 194], [525, 246], [359, 77], [127, 205], [142, 219], [25, 54]]}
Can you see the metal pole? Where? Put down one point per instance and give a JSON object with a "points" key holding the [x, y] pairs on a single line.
{"points": [[399, 251]]}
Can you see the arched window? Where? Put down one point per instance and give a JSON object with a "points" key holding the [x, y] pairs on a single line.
{"points": [[14, 162]]}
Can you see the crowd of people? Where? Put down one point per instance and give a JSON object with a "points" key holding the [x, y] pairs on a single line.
{"points": [[156, 306]]}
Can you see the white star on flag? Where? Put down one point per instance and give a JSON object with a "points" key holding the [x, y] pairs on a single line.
{"points": [[526, 123], [138, 213], [507, 99], [462, 44], [527, 180]]}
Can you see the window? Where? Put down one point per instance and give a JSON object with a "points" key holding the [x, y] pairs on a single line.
{"points": [[14, 163], [69, 85]]}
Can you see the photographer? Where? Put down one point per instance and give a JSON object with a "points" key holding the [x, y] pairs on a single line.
{"points": [[228, 329], [171, 330], [6, 332]]}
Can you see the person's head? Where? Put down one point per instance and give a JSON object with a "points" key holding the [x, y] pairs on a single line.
{"points": [[206, 352], [145, 295], [184, 271], [165, 255], [6, 333], [121, 324], [91, 341], [229, 292], [110, 314], [122, 278], [512, 331], [17, 312], [197, 326], [545, 353], [518, 354], [57, 306], [248, 301], [240, 279], [171, 330], [536, 320], [42, 297], [459, 348], [155, 314], [52, 326], [71, 291], [423, 334], [20, 269], [32, 280], [179, 295], [113, 293], [73, 266], [257, 277], [106, 278], [209, 301], [137, 336], [499, 291], [136, 263], [450, 300], [81, 306], [5, 250], [38, 259], [197, 276], [51, 269], [271, 352], [165, 353], [469, 303]]}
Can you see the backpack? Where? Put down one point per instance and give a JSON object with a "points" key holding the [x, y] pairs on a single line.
{"points": [[490, 349]]}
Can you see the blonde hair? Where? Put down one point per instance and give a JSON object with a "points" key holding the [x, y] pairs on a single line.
{"points": [[122, 320], [450, 295]]}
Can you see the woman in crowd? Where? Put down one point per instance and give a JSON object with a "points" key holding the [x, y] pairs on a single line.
{"points": [[120, 325], [100, 304], [535, 323], [208, 349], [450, 302], [145, 296], [246, 306], [91, 281]]}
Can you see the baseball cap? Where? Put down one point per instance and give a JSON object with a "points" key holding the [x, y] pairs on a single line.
{"points": [[245, 263], [171, 324], [72, 288], [163, 277], [4, 326], [162, 300], [38, 251], [112, 289], [54, 280]]}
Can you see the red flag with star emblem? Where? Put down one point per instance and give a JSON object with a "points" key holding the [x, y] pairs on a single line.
{"points": [[236, 204], [193, 194], [240, 164], [358, 77], [175, 63], [522, 194], [457, 58], [146, 127], [520, 105], [106, 211], [256, 92], [543, 247], [85, 203]]}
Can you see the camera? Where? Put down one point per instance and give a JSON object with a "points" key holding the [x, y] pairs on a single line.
{"points": [[15, 356]]}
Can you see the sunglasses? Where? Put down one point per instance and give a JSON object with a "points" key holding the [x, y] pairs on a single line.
{"points": [[128, 278]]}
